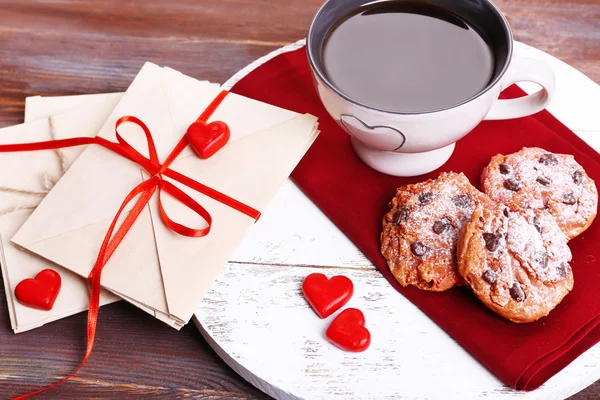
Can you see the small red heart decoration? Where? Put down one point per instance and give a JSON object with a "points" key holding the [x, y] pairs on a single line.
{"points": [[348, 332], [326, 296], [207, 139], [40, 292]]}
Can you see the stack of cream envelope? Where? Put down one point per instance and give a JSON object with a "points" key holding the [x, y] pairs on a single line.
{"points": [[155, 269]]}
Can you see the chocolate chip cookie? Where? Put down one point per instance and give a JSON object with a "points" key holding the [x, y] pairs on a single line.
{"points": [[421, 230], [535, 178], [516, 262]]}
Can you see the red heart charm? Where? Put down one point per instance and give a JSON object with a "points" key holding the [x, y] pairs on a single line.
{"points": [[207, 139], [326, 296], [348, 332], [40, 292]]}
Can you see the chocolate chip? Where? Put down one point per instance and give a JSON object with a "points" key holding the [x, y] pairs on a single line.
{"points": [[504, 168], [548, 159], [489, 276], [506, 213], [426, 197], [492, 240], [577, 177], [512, 184], [563, 270], [537, 224], [441, 225], [461, 200], [542, 180], [516, 292], [542, 259], [569, 199], [418, 249], [401, 215]]}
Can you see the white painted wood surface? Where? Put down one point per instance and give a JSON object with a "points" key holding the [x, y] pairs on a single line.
{"points": [[257, 320]]}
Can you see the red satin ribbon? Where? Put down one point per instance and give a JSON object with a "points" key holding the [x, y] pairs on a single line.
{"points": [[144, 190]]}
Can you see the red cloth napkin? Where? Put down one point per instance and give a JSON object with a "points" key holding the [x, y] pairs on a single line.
{"points": [[355, 198]]}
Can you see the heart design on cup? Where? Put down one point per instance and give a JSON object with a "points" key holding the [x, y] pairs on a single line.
{"points": [[207, 139], [348, 332], [379, 137], [41, 291], [326, 296]]}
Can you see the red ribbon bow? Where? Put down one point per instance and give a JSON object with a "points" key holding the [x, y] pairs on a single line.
{"points": [[144, 190]]}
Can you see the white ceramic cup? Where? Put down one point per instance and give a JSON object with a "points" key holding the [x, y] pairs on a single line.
{"points": [[410, 144]]}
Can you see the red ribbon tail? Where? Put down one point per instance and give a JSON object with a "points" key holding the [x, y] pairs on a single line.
{"points": [[109, 245], [214, 194]]}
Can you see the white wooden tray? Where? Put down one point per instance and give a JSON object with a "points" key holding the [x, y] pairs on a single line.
{"points": [[257, 320]]}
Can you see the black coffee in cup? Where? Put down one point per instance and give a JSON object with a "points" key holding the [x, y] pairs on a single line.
{"points": [[404, 56]]}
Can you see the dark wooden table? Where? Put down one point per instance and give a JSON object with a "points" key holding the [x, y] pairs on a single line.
{"points": [[75, 47]]}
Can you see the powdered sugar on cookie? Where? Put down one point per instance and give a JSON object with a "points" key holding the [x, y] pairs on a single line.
{"points": [[537, 179], [422, 228], [516, 262]]}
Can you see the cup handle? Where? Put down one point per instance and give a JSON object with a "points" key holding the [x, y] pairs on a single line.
{"points": [[530, 70]]}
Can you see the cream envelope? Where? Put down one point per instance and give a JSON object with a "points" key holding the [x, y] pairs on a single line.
{"points": [[154, 268], [25, 179]]}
